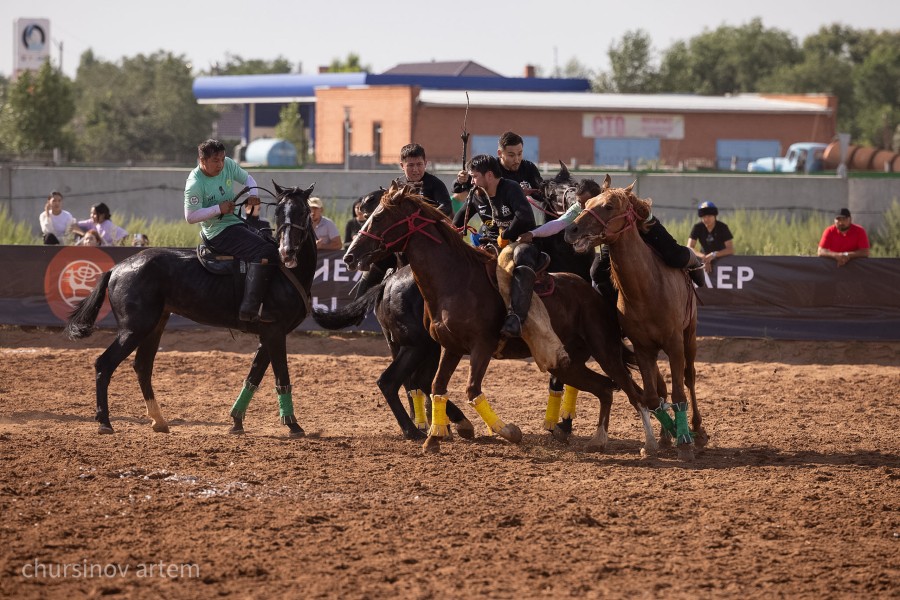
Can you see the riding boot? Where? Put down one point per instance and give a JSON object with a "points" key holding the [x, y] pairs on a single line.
{"points": [[608, 291], [519, 301], [695, 270], [255, 289]]}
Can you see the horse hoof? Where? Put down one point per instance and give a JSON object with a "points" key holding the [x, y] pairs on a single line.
{"points": [[296, 431], [511, 433], [160, 427], [595, 446], [686, 452], [465, 429], [105, 429], [236, 431], [701, 439], [560, 434], [648, 453], [432, 445], [415, 434]]}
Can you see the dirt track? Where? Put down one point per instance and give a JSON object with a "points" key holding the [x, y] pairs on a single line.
{"points": [[797, 495]]}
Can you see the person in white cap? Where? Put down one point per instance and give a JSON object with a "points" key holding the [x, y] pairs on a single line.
{"points": [[327, 235]]}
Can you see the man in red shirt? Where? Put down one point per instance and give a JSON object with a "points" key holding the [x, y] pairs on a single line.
{"points": [[844, 240]]}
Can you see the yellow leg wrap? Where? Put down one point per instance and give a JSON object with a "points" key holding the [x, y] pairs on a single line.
{"points": [[439, 420], [418, 398], [552, 416], [570, 396], [485, 411]]}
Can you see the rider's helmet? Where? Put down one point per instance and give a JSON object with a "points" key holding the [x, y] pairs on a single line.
{"points": [[707, 208]]}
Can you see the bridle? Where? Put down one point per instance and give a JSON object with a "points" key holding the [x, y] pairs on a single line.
{"points": [[629, 215], [415, 223]]}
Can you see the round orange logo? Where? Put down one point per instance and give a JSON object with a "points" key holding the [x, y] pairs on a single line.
{"points": [[72, 275]]}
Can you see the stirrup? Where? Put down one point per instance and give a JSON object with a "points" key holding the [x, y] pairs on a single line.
{"points": [[511, 328]]}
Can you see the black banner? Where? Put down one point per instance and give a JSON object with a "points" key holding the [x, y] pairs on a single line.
{"points": [[799, 298]]}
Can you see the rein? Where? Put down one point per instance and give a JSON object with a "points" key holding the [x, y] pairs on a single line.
{"points": [[415, 223], [629, 215]]}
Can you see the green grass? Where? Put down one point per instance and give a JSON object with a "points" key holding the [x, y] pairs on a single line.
{"points": [[755, 233]]}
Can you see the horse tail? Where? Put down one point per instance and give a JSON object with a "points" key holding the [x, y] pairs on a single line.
{"points": [[352, 314], [81, 322]]}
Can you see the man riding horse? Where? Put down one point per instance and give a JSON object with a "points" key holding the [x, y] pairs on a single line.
{"points": [[209, 200]]}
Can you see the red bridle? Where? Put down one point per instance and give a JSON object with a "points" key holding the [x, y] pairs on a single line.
{"points": [[629, 215], [416, 223]]}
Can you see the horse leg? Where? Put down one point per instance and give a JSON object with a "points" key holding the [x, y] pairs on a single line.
{"points": [[479, 359], [422, 379], [683, 439], [125, 343], [251, 384], [276, 345], [583, 378], [554, 402], [701, 438], [650, 400], [390, 383], [143, 367], [439, 421]]}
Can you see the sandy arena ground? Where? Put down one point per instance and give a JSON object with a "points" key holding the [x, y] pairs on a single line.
{"points": [[797, 495]]}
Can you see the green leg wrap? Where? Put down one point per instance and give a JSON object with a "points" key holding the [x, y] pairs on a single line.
{"points": [[285, 404], [662, 415], [243, 400], [683, 431]]}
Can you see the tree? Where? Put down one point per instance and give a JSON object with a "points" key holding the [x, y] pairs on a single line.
{"points": [[291, 128], [144, 110], [632, 64], [236, 65], [36, 110], [349, 65]]}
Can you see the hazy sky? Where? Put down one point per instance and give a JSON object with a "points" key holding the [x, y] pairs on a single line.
{"points": [[502, 36]]}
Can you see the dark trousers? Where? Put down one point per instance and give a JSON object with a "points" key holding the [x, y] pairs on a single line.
{"points": [[245, 243]]}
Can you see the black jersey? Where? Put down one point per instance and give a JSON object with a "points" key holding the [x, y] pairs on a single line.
{"points": [[434, 190], [507, 210], [711, 241], [527, 172]]}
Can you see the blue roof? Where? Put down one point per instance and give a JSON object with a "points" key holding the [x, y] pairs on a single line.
{"points": [[286, 85]]}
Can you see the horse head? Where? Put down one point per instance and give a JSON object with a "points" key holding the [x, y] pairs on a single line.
{"points": [[293, 223], [558, 194], [369, 202], [400, 214], [607, 216]]}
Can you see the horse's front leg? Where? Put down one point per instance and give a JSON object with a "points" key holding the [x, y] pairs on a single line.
{"points": [[439, 420], [251, 384], [276, 344], [683, 439], [479, 359], [650, 400]]}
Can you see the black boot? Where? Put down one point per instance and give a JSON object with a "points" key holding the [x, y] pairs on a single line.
{"points": [[519, 301], [695, 270], [255, 288], [608, 291]]}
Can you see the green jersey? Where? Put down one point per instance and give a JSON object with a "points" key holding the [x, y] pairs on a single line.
{"points": [[202, 191]]}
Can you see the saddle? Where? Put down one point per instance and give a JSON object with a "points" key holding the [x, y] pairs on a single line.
{"points": [[220, 264]]}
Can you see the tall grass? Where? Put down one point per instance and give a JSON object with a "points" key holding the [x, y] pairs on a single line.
{"points": [[755, 233]]}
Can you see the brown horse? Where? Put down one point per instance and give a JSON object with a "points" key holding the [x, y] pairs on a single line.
{"points": [[464, 312], [657, 305]]}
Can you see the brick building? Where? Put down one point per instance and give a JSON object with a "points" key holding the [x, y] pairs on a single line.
{"points": [[373, 116]]}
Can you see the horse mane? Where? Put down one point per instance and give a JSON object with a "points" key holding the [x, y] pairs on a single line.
{"points": [[396, 195], [622, 197]]}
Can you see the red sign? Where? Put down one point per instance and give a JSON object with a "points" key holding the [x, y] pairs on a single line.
{"points": [[71, 276]]}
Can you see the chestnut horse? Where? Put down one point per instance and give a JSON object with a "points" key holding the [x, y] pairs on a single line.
{"points": [[657, 305], [464, 311]]}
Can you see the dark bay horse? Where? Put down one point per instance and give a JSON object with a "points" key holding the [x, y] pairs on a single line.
{"points": [[147, 287], [400, 311], [657, 305], [464, 311]]}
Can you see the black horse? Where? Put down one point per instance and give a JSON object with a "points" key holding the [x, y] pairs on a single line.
{"points": [[147, 287], [399, 308]]}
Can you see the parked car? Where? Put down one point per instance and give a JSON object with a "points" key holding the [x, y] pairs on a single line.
{"points": [[802, 157]]}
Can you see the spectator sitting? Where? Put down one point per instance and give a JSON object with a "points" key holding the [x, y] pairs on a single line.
{"points": [[355, 224], [55, 222], [844, 240], [327, 235], [714, 236], [110, 233], [140, 240], [91, 238], [251, 217]]}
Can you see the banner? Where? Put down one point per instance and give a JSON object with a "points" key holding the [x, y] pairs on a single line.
{"points": [[779, 297], [628, 125]]}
